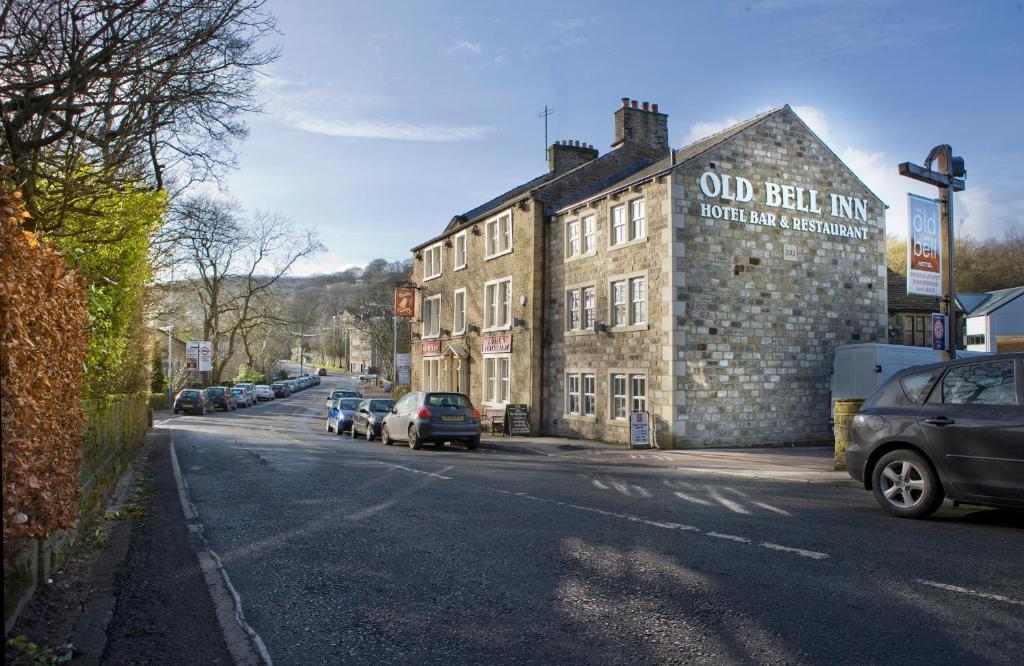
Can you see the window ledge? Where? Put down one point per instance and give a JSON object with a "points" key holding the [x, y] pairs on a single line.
{"points": [[621, 423], [577, 332], [631, 328], [430, 337], [497, 254], [498, 329], [582, 418], [459, 268], [432, 277], [635, 241], [577, 257]]}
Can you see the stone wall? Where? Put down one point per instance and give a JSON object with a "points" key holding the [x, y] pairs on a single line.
{"points": [[758, 329]]}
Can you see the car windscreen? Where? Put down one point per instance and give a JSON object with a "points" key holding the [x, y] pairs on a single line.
{"points": [[190, 394], [349, 403], [448, 400], [216, 391], [381, 405]]}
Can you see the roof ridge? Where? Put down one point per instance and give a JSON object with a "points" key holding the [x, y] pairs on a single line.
{"points": [[730, 128]]}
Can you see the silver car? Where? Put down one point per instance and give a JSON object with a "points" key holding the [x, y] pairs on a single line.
{"points": [[420, 418]]}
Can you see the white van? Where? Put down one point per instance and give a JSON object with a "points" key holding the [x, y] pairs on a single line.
{"points": [[859, 369]]}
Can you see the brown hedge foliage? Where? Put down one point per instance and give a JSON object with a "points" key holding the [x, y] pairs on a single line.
{"points": [[43, 321]]}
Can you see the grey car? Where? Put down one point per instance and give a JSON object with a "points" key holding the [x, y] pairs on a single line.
{"points": [[952, 429], [370, 417], [422, 417]]}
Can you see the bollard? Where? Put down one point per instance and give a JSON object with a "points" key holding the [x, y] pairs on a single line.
{"points": [[843, 418]]}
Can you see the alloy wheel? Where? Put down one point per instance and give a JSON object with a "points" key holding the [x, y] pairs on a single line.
{"points": [[902, 484]]}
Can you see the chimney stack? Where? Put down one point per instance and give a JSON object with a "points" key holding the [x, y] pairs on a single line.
{"points": [[641, 125], [569, 154]]}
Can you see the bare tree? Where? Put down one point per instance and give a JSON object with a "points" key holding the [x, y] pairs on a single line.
{"points": [[99, 94], [232, 265]]}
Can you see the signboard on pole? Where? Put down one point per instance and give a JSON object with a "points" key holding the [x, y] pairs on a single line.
{"points": [[940, 332], [192, 356], [404, 365], [924, 247], [639, 429], [205, 356], [405, 302]]}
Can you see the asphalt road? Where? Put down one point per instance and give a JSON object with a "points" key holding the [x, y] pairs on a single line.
{"points": [[349, 551]]}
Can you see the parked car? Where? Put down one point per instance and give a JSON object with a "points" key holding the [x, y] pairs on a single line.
{"points": [[248, 386], [264, 392], [953, 429], [421, 417], [369, 417], [293, 385], [368, 377], [343, 393], [242, 397], [339, 416], [322, 372], [221, 396], [191, 400], [281, 389]]}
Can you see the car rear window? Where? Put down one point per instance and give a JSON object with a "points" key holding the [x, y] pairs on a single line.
{"points": [[381, 405], [349, 403], [448, 400], [916, 386], [980, 384], [216, 391], [190, 394]]}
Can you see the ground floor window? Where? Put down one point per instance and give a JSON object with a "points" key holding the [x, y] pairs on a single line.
{"points": [[497, 379], [431, 370], [572, 393], [638, 392], [628, 394], [618, 396]]}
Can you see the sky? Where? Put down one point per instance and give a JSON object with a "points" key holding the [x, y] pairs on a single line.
{"points": [[383, 119]]}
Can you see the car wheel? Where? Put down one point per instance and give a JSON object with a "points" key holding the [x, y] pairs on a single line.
{"points": [[385, 438], [415, 443], [369, 433], [329, 429], [338, 430], [906, 485], [472, 443]]}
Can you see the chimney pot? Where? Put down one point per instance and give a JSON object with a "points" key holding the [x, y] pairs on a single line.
{"points": [[632, 103], [646, 106], [654, 107], [625, 102], [576, 143]]}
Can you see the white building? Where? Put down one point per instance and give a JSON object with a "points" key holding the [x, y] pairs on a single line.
{"points": [[995, 320]]}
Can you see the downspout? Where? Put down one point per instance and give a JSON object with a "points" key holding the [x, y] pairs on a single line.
{"points": [[541, 303]]}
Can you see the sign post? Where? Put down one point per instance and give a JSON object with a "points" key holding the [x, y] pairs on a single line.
{"points": [[639, 429], [205, 356]]}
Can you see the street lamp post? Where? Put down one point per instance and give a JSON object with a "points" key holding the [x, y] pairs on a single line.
{"points": [[950, 177]]}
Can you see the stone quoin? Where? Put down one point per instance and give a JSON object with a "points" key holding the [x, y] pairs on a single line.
{"points": [[708, 285]]}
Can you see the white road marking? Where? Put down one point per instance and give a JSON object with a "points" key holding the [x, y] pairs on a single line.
{"points": [[773, 509], [598, 484], [973, 593], [418, 471], [730, 537], [691, 498], [796, 551], [735, 507]]}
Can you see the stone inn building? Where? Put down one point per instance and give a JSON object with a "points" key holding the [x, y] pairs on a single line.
{"points": [[708, 285]]}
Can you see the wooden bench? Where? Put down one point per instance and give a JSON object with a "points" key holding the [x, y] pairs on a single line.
{"points": [[496, 419]]}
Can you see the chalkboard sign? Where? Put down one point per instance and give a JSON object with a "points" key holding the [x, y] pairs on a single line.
{"points": [[517, 420]]}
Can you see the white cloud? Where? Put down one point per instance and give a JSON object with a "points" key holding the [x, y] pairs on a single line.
{"points": [[815, 119], [383, 129], [706, 128], [322, 264], [462, 46]]}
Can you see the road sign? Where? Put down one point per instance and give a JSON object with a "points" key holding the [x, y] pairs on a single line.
{"points": [[192, 356], [639, 429], [404, 365], [205, 356]]}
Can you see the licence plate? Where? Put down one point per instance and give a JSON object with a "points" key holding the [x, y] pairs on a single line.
{"points": [[451, 418], [186, 404]]}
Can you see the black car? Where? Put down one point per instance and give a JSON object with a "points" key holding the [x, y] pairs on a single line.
{"points": [[952, 429], [221, 396], [281, 389], [190, 400], [370, 416]]}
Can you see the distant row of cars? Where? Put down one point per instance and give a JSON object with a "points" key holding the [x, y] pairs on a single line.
{"points": [[245, 394]]}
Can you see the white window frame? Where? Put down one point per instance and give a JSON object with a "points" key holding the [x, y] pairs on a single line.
{"points": [[635, 318], [588, 230], [434, 316], [461, 238], [617, 220], [573, 393], [635, 304], [432, 373], [456, 328], [586, 395], [429, 263], [637, 223], [497, 389], [585, 324], [614, 303], [573, 309], [489, 320], [500, 233], [573, 239], [637, 402], [614, 397]]}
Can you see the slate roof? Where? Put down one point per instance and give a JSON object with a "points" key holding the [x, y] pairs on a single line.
{"points": [[996, 300]]}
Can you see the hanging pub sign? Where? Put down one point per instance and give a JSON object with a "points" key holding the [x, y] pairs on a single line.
{"points": [[497, 344], [405, 302], [431, 348], [924, 253]]}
